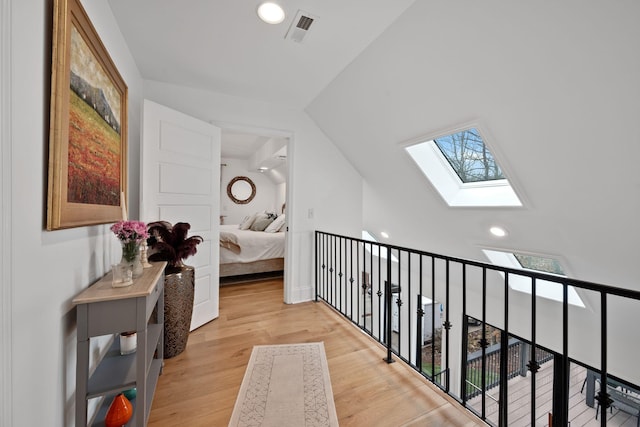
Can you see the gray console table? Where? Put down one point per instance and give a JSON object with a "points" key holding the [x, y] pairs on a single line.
{"points": [[105, 310]]}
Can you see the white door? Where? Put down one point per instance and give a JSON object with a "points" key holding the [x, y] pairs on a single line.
{"points": [[180, 182]]}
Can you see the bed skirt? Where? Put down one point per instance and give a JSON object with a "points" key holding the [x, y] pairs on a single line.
{"points": [[262, 266]]}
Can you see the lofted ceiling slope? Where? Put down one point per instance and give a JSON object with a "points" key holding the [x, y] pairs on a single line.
{"points": [[555, 87], [222, 46]]}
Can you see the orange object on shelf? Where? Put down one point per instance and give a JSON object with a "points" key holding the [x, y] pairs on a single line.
{"points": [[119, 413]]}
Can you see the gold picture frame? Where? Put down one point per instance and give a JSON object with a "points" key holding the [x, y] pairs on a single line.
{"points": [[88, 128]]}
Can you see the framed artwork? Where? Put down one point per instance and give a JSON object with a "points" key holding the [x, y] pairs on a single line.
{"points": [[88, 128]]}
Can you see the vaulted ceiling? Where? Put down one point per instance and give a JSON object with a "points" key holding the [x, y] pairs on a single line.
{"points": [[553, 84], [222, 46], [555, 87]]}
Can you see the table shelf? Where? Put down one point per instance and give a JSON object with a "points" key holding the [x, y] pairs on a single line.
{"points": [[103, 310]]}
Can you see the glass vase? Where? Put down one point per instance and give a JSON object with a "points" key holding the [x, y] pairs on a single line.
{"points": [[131, 258]]}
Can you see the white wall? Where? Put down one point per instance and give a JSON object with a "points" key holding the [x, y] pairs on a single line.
{"points": [[281, 197], [5, 215], [320, 179], [50, 268], [264, 200]]}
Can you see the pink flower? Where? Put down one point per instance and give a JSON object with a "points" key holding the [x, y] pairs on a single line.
{"points": [[130, 231]]}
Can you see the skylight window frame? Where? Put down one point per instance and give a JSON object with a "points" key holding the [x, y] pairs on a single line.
{"points": [[433, 164], [544, 288], [374, 249]]}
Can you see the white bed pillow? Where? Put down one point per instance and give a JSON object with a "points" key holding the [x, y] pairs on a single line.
{"points": [[247, 222], [276, 225], [261, 223]]}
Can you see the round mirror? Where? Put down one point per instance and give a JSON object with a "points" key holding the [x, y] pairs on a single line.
{"points": [[241, 190]]}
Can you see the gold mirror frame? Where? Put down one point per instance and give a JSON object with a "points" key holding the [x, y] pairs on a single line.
{"points": [[235, 199]]}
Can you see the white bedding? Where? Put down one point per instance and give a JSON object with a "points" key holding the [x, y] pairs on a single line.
{"points": [[254, 245]]}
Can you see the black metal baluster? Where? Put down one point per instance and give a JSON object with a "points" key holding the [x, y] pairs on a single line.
{"points": [[342, 274], [483, 345], [387, 308], [408, 293], [398, 302], [340, 287], [433, 320], [316, 245], [447, 327], [420, 316], [325, 269], [334, 270], [603, 397], [359, 283], [533, 364], [379, 293], [505, 360], [465, 338], [330, 270], [351, 280], [560, 409]]}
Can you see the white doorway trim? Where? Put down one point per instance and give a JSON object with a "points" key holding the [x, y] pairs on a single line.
{"points": [[6, 318], [275, 133]]}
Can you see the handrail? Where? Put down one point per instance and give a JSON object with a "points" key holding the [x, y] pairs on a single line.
{"points": [[583, 284], [385, 290]]}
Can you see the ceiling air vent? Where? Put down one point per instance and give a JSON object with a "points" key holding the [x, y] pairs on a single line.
{"points": [[305, 22], [299, 26]]}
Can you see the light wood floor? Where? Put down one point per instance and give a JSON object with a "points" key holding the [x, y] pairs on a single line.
{"points": [[199, 386]]}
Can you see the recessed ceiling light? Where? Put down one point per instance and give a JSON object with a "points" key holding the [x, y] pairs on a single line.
{"points": [[384, 234], [498, 231], [271, 13]]}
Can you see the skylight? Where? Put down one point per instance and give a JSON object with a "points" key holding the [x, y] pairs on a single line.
{"points": [[463, 169], [375, 249], [469, 157], [544, 288], [538, 263]]}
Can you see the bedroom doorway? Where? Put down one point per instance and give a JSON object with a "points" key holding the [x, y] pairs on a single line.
{"points": [[254, 188]]}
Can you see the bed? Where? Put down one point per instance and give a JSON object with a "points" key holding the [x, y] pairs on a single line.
{"points": [[250, 252]]}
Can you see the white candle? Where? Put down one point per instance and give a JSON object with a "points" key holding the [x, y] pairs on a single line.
{"points": [[124, 206], [128, 342]]}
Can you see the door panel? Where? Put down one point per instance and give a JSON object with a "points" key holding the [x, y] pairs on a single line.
{"points": [[184, 179], [180, 173]]}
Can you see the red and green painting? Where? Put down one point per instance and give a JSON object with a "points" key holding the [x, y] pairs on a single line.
{"points": [[95, 144]]}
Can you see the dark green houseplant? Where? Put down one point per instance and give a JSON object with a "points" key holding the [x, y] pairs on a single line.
{"points": [[170, 243]]}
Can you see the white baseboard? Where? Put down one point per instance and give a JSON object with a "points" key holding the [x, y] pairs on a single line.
{"points": [[302, 295]]}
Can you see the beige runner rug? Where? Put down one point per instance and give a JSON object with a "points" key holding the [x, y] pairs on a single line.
{"points": [[286, 385]]}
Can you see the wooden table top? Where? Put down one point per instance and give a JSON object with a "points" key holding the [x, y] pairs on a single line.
{"points": [[102, 290]]}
